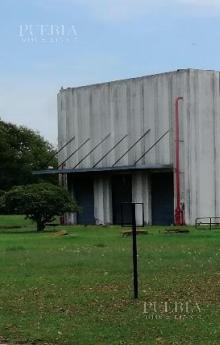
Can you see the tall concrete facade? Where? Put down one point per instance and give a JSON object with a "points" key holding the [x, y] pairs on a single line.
{"points": [[127, 128]]}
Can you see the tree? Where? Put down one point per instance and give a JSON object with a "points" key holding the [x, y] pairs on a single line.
{"points": [[2, 203], [40, 202], [21, 152]]}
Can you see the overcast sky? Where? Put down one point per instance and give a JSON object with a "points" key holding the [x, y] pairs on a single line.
{"points": [[46, 44]]}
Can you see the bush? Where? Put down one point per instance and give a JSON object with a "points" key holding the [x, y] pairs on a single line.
{"points": [[39, 202]]}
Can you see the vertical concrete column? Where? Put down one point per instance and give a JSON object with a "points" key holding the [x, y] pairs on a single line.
{"points": [[99, 201], [108, 201], [141, 192], [103, 200]]}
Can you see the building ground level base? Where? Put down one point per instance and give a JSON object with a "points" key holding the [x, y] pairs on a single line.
{"points": [[100, 198]]}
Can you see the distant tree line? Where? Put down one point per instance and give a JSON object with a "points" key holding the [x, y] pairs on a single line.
{"points": [[22, 151]]}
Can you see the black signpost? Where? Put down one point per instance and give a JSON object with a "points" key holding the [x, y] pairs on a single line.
{"points": [[134, 244], [135, 264]]}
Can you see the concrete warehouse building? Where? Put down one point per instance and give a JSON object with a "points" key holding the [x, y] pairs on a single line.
{"points": [[153, 140]]}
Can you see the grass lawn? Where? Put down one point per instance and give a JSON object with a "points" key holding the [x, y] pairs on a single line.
{"points": [[77, 289], [12, 222]]}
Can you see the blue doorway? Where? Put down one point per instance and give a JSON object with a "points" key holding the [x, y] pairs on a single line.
{"points": [[162, 193], [121, 192], [84, 194]]}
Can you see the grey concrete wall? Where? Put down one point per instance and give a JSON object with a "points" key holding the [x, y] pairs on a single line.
{"points": [[200, 142], [103, 200], [141, 193], [122, 107], [201, 148], [135, 105]]}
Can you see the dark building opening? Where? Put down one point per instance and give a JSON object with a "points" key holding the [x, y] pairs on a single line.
{"points": [[121, 192], [84, 194], [162, 193]]}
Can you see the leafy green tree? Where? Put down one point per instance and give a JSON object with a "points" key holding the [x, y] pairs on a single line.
{"points": [[2, 202], [40, 202], [21, 152]]}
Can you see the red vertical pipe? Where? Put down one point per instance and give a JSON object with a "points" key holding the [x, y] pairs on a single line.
{"points": [[178, 211]]}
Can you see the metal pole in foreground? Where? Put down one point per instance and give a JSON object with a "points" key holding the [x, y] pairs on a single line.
{"points": [[135, 268]]}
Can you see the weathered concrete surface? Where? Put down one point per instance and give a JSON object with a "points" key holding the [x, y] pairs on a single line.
{"points": [[201, 147], [141, 193], [103, 200], [135, 105], [119, 108]]}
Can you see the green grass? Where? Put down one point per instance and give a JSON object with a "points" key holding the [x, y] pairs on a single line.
{"points": [[77, 289], [10, 221]]}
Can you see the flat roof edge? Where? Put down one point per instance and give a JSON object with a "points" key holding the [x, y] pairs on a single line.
{"points": [[65, 89], [101, 170]]}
